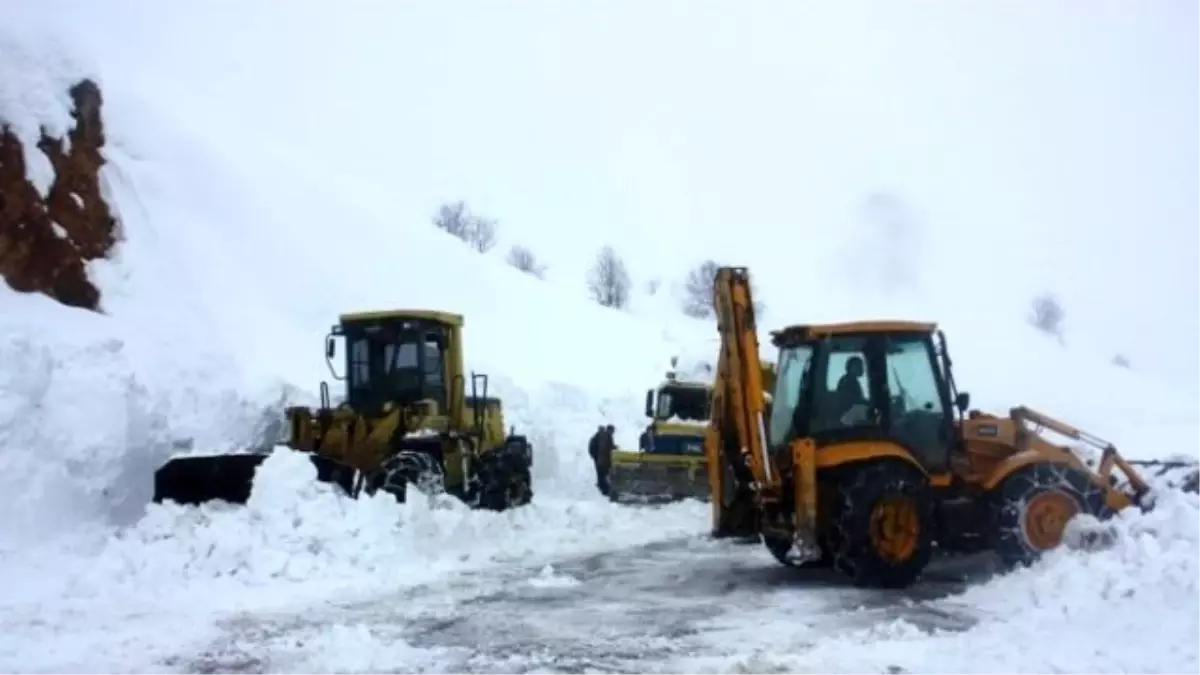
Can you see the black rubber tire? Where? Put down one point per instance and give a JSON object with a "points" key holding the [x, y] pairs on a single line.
{"points": [[860, 488], [410, 467], [503, 489], [1010, 538], [505, 481]]}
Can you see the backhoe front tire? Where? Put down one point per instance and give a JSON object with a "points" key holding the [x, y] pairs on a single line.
{"points": [[1031, 508], [882, 524]]}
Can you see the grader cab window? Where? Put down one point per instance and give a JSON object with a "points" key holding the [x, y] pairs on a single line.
{"points": [[435, 373], [396, 363]]}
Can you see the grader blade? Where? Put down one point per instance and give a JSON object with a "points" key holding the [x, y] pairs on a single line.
{"points": [[230, 478], [195, 480], [658, 478]]}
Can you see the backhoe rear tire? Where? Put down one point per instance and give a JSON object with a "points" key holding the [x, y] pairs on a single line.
{"points": [[1031, 508], [882, 525]]}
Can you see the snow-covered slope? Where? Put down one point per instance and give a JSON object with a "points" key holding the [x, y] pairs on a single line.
{"points": [[255, 176]]}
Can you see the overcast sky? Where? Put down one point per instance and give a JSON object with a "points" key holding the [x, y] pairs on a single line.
{"points": [[1027, 146]]}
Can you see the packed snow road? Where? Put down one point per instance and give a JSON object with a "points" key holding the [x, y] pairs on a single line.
{"points": [[662, 607]]}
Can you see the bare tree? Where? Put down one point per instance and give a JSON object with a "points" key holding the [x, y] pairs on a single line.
{"points": [[698, 292], [524, 260], [1047, 314], [609, 280], [482, 234], [455, 218]]}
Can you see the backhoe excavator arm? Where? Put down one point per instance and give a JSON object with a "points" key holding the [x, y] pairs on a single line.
{"points": [[741, 471]]}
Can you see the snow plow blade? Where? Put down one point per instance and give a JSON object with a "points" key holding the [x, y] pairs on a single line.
{"points": [[229, 478], [195, 480], [643, 478]]}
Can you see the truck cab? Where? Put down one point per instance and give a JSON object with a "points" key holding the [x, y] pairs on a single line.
{"points": [[678, 411]]}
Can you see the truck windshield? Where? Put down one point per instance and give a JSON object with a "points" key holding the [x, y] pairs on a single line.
{"points": [[794, 363], [686, 403]]}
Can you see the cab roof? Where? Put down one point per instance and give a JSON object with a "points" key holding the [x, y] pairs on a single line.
{"points": [[402, 314], [808, 332]]}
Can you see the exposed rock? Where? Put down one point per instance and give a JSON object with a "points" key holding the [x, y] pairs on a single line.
{"points": [[45, 242]]}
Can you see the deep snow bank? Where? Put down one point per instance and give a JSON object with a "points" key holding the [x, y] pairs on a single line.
{"points": [[1129, 608], [1131, 605], [295, 531]]}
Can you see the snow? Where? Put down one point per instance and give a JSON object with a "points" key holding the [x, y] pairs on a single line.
{"points": [[259, 198], [1143, 584]]}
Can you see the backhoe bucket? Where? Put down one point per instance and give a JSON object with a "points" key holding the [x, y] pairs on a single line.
{"points": [[1182, 475], [648, 478], [195, 480]]}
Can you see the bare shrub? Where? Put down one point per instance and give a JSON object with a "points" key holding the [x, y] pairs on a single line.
{"points": [[1047, 314], [608, 280], [455, 218], [523, 259]]}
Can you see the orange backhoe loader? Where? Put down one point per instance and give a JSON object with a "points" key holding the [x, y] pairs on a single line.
{"points": [[869, 458]]}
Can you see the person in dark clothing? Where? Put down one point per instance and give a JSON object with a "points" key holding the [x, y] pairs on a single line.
{"points": [[601, 447], [849, 391]]}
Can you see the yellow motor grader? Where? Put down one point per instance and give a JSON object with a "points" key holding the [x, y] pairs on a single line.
{"points": [[870, 457], [406, 420]]}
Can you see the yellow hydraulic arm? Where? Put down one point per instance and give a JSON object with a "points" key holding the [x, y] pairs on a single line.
{"points": [[742, 474]]}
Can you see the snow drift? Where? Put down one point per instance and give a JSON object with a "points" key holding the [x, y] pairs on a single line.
{"points": [[1142, 582]]}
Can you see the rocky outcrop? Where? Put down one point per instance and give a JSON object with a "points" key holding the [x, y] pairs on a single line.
{"points": [[46, 241]]}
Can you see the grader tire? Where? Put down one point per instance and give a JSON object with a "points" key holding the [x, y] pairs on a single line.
{"points": [[410, 468], [504, 489], [882, 534], [1031, 508], [505, 481]]}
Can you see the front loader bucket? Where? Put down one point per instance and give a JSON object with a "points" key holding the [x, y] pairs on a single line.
{"points": [[194, 480], [659, 478]]}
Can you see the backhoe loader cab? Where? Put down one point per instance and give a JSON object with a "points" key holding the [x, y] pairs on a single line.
{"points": [[866, 457], [865, 381], [408, 417]]}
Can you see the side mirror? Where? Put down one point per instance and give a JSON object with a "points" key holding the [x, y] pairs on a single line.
{"points": [[649, 403], [962, 402], [330, 347]]}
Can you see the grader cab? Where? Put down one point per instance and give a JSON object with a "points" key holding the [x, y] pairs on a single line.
{"points": [[870, 456], [406, 419]]}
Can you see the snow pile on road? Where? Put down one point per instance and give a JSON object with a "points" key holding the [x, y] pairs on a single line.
{"points": [[296, 545], [1142, 578], [294, 531]]}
